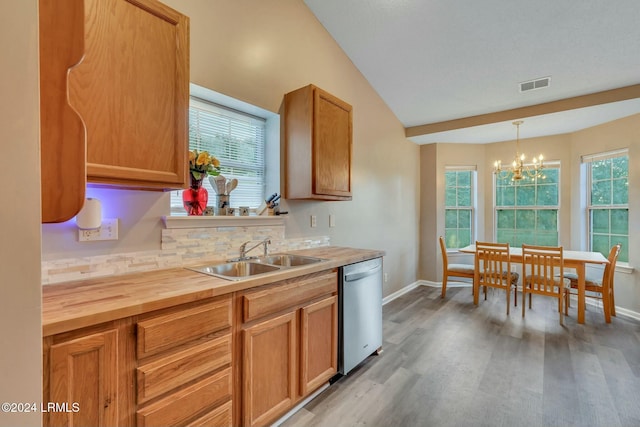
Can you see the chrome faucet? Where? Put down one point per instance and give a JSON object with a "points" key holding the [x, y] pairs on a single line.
{"points": [[244, 250]]}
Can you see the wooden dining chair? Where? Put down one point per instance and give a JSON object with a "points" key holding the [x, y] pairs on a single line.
{"points": [[493, 269], [597, 287], [543, 274], [452, 270]]}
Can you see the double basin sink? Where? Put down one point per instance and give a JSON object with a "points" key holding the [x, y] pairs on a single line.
{"points": [[241, 269]]}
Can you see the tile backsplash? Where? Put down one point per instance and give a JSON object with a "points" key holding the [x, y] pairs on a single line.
{"points": [[180, 247]]}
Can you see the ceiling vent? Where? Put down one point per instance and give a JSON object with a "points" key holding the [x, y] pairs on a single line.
{"points": [[540, 83]]}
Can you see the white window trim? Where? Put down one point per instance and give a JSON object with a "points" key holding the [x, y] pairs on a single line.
{"points": [[622, 266], [474, 198], [553, 164], [272, 152]]}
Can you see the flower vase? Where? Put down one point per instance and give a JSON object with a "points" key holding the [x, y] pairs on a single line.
{"points": [[195, 198]]}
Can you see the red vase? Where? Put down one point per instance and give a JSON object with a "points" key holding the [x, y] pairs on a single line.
{"points": [[195, 198]]}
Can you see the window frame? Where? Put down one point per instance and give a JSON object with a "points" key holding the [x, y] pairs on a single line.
{"points": [[590, 208], [472, 208], [536, 208], [271, 149]]}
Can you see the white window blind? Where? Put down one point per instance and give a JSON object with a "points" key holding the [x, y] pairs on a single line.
{"points": [[237, 139]]}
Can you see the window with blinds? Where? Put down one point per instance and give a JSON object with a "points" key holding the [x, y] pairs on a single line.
{"points": [[237, 139]]}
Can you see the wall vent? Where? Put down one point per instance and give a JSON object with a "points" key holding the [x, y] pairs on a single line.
{"points": [[540, 83]]}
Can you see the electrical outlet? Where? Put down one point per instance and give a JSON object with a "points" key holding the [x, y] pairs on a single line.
{"points": [[314, 221], [107, 231], [386, 277], [332, 220]]}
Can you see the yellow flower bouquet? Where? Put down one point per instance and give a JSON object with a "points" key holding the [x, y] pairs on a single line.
{"points": [[201, 164]]}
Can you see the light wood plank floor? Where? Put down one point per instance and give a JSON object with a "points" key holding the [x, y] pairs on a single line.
{"points": [[450, 363]]}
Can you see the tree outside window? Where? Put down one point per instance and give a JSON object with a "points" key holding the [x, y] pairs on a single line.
{"points": [[459, 208], [608, 186], [527, 210]]}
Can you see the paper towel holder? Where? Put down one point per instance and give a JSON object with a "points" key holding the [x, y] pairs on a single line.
{"points": [[90, 216]]}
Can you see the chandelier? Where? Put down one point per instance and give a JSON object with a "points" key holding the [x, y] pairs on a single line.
{"points": [[518, 169]]}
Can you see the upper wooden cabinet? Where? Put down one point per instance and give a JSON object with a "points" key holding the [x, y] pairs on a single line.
{"points": [[317, 138], [114, 98]]}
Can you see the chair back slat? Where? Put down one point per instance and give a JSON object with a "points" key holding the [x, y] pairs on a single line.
{"points": [[609, 269], [443, 249], [493, 264], [540, 266], [493, 268], [543, 271]]}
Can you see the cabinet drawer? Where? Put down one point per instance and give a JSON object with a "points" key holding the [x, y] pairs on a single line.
{"points": [[171, 330], [279, 297], [162, 375], [221, 416], [178, 407]]}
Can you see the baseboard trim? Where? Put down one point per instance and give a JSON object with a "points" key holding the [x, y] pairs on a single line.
{"points": [[412, 286], [450, 284], [623, 312], [398, 294]]}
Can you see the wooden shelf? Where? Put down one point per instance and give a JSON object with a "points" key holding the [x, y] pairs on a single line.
{"points": [[221, 221]]}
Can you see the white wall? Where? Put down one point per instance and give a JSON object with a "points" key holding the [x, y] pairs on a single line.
{"points": [[606, 137], [20, 325]]}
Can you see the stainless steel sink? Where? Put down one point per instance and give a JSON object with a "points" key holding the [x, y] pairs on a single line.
{"points": [[236, 270], [288, 260], [241, 269]]}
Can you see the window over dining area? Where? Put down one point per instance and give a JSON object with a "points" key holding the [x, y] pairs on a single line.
{"points": [[607, 176], [526, 211], [459, 206]]}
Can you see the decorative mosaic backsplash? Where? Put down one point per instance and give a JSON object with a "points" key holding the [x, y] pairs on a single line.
{"points": [[180, 247]]}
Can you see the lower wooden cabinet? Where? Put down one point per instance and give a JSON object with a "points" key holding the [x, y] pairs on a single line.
{"points": [[184, 374], [179, 407], [85, 374], [318, 344], [198, 364], [269, 368], [290, 352], [172, 367]]}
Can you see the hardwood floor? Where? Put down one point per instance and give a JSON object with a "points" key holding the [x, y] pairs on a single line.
{"points": [[450, 363]]}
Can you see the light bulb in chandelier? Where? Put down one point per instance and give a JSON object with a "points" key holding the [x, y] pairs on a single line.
{"points": [[519, 170]]}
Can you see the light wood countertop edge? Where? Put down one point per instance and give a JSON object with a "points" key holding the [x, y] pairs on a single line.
{"points": [[80, 304]]}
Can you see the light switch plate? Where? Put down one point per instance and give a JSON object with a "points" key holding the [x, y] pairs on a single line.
{"points": [[332, 220], [314, 221]]}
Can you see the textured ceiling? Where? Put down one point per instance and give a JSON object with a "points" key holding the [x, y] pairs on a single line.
{"points": [[439, 60]]}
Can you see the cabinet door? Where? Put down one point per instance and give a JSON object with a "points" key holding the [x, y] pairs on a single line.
{"points": [[84, 371], [318, 344], [114, 83], [269, 362], [317, 139], [132, 91], [62, 139], [331, 145]]}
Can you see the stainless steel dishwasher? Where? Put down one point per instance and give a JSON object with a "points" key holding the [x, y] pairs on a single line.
{"points": [[360, 305]]}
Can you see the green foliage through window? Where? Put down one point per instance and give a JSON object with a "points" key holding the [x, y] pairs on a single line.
{"points": [[608, 204], [458, 208], [527, 210]]}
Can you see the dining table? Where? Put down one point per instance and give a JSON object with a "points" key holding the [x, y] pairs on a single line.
{"points": [[577, 260]]}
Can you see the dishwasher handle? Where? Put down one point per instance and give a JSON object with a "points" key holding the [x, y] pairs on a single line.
{"points": [[357, 276]]}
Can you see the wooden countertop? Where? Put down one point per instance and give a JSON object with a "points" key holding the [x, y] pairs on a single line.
{"points": [[73, 305]]}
